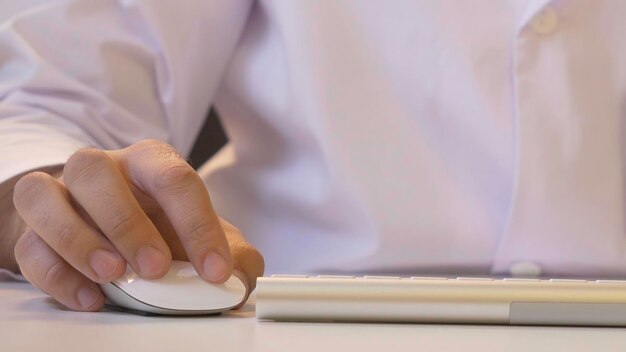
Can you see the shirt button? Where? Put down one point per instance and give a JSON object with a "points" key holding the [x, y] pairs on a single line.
{"points": [[545, 21], [524, 269]]}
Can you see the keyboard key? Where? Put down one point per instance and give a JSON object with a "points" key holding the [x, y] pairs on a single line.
{"points": [[610, 282], [574, 281], [381, 277]]}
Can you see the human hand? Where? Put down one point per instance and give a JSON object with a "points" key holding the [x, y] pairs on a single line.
{"points": [[142, 205]]}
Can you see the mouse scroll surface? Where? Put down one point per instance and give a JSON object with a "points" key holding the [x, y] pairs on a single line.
{"points": [[180, 292]]}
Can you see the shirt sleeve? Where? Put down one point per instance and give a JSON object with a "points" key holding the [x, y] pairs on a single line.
{"points": [[108, 73]]}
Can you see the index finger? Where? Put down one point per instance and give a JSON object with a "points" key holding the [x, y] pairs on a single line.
{"points": [[157, 169]]}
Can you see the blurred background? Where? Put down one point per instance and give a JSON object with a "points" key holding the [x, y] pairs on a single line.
{"points": [[209, 141]]}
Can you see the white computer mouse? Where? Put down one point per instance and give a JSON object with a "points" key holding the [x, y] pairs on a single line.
{"points": [[180, 292]]}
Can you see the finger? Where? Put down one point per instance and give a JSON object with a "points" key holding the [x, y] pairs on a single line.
{"points": [[248, 262], [44, 205], [46, 270], [98, 185], [159, 219], [158, 170], [247, 259]]}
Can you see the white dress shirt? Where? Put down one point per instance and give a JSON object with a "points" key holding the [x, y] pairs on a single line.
{"points": [[405, 136]]}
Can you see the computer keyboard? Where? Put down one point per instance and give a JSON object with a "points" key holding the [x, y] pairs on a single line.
{"points": [[476, 300]]}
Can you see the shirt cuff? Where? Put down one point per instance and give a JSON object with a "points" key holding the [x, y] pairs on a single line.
{"points": [[28, 146]]}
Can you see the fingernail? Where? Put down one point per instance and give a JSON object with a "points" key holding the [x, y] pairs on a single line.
{"points": [[87, 297], [104, 263], [150, 261], [215, 267]]}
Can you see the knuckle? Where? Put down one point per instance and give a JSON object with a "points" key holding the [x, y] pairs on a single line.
{"points": [[167, 151], [55, 274], [175, 176], [158, 148], [199, 232], [29, 190], [66, 237], [120, 222], [86, 164]]}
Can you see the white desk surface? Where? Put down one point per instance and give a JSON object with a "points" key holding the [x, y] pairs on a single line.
{"points": [[29, 321]]}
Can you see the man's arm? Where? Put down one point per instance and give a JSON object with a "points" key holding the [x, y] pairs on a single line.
{"points": [[118, 72]]}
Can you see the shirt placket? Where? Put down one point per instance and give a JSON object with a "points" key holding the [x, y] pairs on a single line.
{"points": [[567, 207]]}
